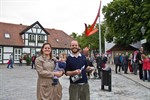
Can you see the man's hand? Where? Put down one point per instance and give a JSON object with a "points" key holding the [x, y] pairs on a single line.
{"points": [[75, 72], [78, 71]]}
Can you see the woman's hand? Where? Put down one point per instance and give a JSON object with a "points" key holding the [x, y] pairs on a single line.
{"points": [[58, 73]]}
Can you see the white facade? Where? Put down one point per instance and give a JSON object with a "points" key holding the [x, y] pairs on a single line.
{"points": [[33, 38]]}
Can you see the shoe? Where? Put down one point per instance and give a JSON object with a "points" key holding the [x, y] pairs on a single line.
{"points": [[54, 83], [143, 79]]}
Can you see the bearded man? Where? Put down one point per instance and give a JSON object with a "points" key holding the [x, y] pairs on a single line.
{"points": [[76, 67]]}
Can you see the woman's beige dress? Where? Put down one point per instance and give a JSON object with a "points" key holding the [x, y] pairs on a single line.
{"points": [[45, 89]]}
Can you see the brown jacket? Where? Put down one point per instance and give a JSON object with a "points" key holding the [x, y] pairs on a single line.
{"points": [[45, 89]]}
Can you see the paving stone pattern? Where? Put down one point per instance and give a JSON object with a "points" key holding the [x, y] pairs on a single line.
{"points": [[19, 83]]}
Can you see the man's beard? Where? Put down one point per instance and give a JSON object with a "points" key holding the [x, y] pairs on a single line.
{"points": [[75, 51]]}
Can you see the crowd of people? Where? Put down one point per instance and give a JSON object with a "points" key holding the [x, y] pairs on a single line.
{"points": [[137, 62]]}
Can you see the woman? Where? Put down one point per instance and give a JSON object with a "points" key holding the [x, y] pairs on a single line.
{"points": [[146, 66], [44, 67]]}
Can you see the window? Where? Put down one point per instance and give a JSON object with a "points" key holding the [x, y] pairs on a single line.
{"points": [[7, 35], [57, 40], [60, 51], [53, 52], [17, 53], [31, 38], [41, 38], [32, 51], [0, 53]]}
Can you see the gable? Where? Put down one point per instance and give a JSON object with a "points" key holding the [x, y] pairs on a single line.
{"points": [[35, 28], [122, 48]]}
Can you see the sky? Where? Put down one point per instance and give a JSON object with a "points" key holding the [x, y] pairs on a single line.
{"points": [[66, 15]]}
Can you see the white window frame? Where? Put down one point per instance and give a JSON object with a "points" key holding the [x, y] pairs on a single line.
{"points": [[17, 54], [41, 37], [7, 35], [54, 52], [31, 37], [0, 53], [60, 51]]}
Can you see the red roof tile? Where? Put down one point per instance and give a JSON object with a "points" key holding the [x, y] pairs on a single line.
{"points": [[14, 30], [57, 38]]}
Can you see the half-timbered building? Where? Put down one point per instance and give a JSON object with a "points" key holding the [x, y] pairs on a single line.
{"points": [[19, 40]]}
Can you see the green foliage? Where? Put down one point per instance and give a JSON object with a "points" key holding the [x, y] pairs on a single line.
{"points": [[91, 41], [124, 19], [74, 35], [28, 59]]}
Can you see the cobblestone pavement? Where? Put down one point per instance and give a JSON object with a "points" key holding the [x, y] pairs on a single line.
{"points": [[20, 84]]}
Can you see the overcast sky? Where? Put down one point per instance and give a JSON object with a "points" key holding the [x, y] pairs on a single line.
{"points": [[66, 15]]}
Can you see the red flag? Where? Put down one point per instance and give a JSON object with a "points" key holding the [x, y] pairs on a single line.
{"points": [[91, 30]]}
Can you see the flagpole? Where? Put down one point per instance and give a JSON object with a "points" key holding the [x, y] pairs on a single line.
{"points": [[100, 52]]}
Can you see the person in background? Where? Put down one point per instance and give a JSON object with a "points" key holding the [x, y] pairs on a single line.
{"points": [[76, 67], [146, 66], [121, 60], [125, 62], [85, 52], [45, 70], [104, 60], [33, 61], [60, 65], [130, 62], [10, 62], [99, 63], [90, 64], [149, 69], [141, 51], [117, 63], [20, 61], [135, 62], [92, 58]]}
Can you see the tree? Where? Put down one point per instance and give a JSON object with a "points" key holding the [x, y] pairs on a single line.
{"points": [[74, 35], [125, 18], [91, 41]]}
